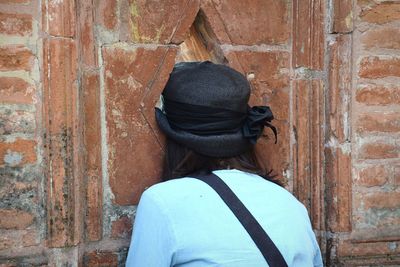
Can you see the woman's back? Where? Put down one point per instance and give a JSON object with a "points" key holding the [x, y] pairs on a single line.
{"points": [[183, 222]]}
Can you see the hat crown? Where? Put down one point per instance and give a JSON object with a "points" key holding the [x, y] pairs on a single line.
{"points": [[208, 84]]}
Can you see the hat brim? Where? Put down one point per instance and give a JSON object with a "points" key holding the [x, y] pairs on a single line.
{"points": [[218, 146]]}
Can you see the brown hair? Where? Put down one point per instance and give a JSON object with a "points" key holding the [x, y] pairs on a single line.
{"points": [[180, 161]]}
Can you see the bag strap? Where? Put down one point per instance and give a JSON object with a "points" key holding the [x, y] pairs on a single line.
{"points": [[264, 243]]}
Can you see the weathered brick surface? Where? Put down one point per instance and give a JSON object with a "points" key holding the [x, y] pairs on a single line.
{"points": [[87, 52], [389, 200], [372, 176], [17, 153], [129, 133], [380, 13], [16, 90], [15, 24], [382, 37], [15, 219], [14, 121], [93, 168], [61, 121], [396, 176], [17, 239], [378, 67], [59, 18], [122, 227], [15, 57], [379, 150], [161, 21], [15, 1], [100, 259], [308, 148], [379, 122], [107, 13], [342, 20], [308, 34], [378, 95], [249, 22]]}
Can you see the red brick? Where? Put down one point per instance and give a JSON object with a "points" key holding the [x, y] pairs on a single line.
{"points": [[382, 200], [342, 16], [15, 219], [161, 21], [379, 151], [59, 18], [375, 67], [15, 57], [17, 153], [382, 37], [15, 239], [15, 1], [15, 24], [16, 121], [248, 22], [16, 90], [100, 259], [337, 152], [121, 228], [379, 122], [62, 147], [339, 93], [133, 72], [88, 52], [308, 33], [308, 147], [107, 13], [382, 13], [372, 176], [378, 95], [92, 140], [397, 175], [380, 250]]}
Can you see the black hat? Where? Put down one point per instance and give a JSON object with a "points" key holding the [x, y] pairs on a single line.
{"points": [[205, 109]]}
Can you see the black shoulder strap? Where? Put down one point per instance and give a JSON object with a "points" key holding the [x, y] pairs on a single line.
{"points": [[268, 249]]}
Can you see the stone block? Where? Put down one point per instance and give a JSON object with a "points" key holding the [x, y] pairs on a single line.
{"points": [[59, 17], [134, 79], [93, 168], [161, 22], [248, 22], [308, 34]]}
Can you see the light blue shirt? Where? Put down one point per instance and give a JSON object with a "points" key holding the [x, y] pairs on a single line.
{"points": [[184, 222]]}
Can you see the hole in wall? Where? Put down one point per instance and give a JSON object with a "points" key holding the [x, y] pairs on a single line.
{"points": [[201, 43]]}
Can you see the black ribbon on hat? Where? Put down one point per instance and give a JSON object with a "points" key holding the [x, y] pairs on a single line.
{"points": [[202, 120], [257, 118]]}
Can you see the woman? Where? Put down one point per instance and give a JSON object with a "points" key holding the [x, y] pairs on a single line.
{"points": [[184, 222]]}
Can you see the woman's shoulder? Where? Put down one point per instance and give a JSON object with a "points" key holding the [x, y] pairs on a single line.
{"points": [[242, 183]]}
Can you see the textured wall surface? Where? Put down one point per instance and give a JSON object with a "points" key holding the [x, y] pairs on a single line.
{"points": [[79, 143]]}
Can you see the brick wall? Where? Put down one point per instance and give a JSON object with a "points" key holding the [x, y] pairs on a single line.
{"points": [[79, 143]]}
